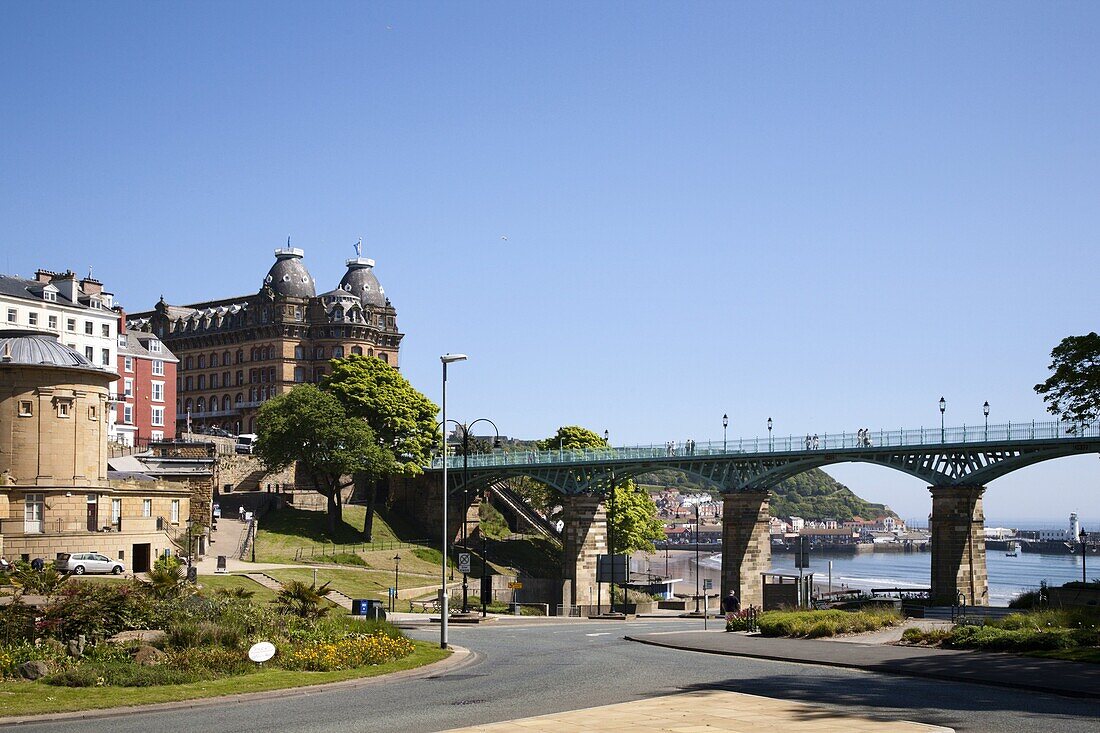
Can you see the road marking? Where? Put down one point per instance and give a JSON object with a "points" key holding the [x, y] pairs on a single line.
{"points": [[602, 633]]}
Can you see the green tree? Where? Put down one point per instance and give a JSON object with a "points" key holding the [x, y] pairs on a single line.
{"points": [[1072, 392], [632, 520], [572, 436], [403, 420], [311, 427]]}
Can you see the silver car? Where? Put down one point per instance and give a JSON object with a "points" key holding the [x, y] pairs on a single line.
{"points": [[79, 563]]}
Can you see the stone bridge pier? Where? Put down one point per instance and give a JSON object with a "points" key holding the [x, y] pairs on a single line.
{"points": [[584, 538], [746, 546], [958, 546]]}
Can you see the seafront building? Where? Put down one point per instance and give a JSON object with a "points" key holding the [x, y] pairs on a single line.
{"points": [[235, 353], [56, 494]]}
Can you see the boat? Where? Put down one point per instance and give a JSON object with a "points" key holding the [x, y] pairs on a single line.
{"points": [[1011, 550]]}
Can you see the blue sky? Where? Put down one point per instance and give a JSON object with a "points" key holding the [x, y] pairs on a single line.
{"points": [[829, 214]]}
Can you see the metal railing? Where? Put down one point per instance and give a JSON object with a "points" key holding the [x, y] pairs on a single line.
{"points": [[325, 550], [1014, 432]]}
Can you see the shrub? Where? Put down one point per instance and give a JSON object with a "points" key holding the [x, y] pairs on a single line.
{"points": [[301, 600], [122, 674], [12, 655], [98, 610], [16, 623], [991, 638], [928, 637], [816, 624], [211, 662], [185, 634]]}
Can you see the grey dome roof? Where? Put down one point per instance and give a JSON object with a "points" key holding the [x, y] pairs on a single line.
{"points": [[289, 276], [40, 348], [360, 281]]}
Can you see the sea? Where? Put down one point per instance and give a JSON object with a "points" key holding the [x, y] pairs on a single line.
{"points": [[1008, 576]]}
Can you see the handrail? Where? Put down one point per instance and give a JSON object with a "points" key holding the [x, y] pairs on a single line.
{"points": [[1010, 432]]}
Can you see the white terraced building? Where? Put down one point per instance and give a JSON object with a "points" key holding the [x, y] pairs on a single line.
{"points": [[79, 311]]}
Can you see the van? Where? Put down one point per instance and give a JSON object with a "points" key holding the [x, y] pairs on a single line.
{"points": [[246, 442]]}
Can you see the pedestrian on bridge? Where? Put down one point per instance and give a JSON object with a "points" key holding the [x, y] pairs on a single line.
{"points": [[816, 444]]}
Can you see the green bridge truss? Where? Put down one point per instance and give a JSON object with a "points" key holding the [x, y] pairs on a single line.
{"points": [[958, 456]]}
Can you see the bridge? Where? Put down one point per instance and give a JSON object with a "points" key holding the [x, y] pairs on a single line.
{"points": [[956, 463]]}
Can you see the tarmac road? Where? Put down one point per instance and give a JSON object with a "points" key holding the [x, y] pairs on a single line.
{"points": [[543, 667]]}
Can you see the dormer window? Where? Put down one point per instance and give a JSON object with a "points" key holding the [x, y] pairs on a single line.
{"points": [[49, 295]]}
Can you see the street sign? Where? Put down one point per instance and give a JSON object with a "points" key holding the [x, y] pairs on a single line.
{"points": [[464, 563], [515, 585], [392, 592], [611, 568], [802, 554], [708, 583]]}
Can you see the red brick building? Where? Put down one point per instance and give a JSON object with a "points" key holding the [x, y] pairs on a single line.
{"points": [[146, 406]]}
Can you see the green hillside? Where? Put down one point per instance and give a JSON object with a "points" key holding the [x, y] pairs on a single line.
{"points": [[811, 495]]}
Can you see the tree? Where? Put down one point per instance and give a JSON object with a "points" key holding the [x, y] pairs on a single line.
{"points": [[402, 419], [633, 525], [1072, 392], [311, 427], [572, 437]]}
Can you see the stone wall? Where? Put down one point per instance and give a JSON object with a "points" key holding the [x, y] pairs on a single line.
{"points": [[584, 539], [958, 545], [746, 546], [420, 498]]}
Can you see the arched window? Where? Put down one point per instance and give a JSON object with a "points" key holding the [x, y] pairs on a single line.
{"points": [[357, 350], [337, 352], [253, 354], [251, 394], [225, 358], [202, 361], [200, 405], [226, 404], [337, 314], [214, 359], [240, 355], [239, 398], [319, 352], [370, 352]]}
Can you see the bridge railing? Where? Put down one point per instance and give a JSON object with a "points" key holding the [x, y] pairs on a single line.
{"points": [[910, 438]]}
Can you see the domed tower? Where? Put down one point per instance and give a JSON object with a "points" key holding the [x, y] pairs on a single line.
{"points": [[361, 282], [53, 413], [289, 276]]}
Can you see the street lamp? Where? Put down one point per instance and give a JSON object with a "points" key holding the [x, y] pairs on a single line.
{"points": [[445, 359], [396, 564], [943, 409], [607, 437], [725, 424], [698, 569], [465, 498], [1084, 552], [985, 411], [770, 445]]}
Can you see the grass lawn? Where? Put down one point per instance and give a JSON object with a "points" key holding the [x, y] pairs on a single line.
{"points": [[1080, 654], [353, 583], [211, 583], [289, 530], [36, 698]]}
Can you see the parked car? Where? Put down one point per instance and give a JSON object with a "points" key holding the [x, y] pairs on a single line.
{"points": [[79, 563], [219, 432]]}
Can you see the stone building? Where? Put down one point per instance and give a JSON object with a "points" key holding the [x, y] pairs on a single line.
{"points": [[235, 353], [55, 491]]}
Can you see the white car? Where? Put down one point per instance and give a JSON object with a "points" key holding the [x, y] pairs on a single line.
{"points": [[79, 563]]}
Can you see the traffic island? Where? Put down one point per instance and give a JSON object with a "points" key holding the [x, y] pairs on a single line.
{"points": [[609, 617]]}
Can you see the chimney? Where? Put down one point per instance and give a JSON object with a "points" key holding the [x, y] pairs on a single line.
{"points": [[44, 276], [121, 320], [91, 286], [66, 283]]}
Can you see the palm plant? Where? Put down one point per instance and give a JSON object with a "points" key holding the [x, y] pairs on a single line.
{"points": [[296, 598], [168, 579]]}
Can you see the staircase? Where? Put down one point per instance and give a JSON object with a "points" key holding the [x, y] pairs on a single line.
{"points": [[274, 585], [525, 511]]}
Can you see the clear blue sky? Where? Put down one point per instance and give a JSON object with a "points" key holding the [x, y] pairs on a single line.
{"points": [[826, 213]]}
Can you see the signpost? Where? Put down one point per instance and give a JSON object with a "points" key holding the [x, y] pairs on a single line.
{"points": [[515, 585], [464, 562], [708, 583]]}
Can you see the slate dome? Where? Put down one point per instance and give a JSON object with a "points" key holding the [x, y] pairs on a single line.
{"points": [[289, 276], [361, 282], [27, 347]]}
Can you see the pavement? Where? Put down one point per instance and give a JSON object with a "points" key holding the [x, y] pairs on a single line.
{"points": [[708, 711], [1055, 676]]}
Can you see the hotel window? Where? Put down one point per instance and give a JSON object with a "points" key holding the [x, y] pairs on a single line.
{"points": [[319, 352], [116, 511], [146, 507], [32, 318], [128, 414], [51, 321], [299, 352], [106, 330], [89, 353], [128, 387], [70, 324], [11, 315], [26, 408], [338, 352], [89, 328], [299, 374], [63, 408], [189, 384], [34, 506], [105, 357], [158, 416], [175, 511], [158, 391], [158, 367]]}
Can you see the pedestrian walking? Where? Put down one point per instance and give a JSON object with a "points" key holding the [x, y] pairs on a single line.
{"points": [[240, 513], [816, 444]]}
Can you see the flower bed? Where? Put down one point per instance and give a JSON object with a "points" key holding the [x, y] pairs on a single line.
{"points": [[817, 624]]}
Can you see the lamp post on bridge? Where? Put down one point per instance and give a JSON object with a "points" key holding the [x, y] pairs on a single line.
{"points": [[445, 359], [611, 526], [725, 424], [985, 411], [943, 409], [770, 444]]}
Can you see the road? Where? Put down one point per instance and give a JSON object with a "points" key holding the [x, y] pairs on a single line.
{"points": [[543, 667]]}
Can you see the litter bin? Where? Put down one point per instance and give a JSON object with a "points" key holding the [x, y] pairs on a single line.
{"points": [[370, 607]]}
